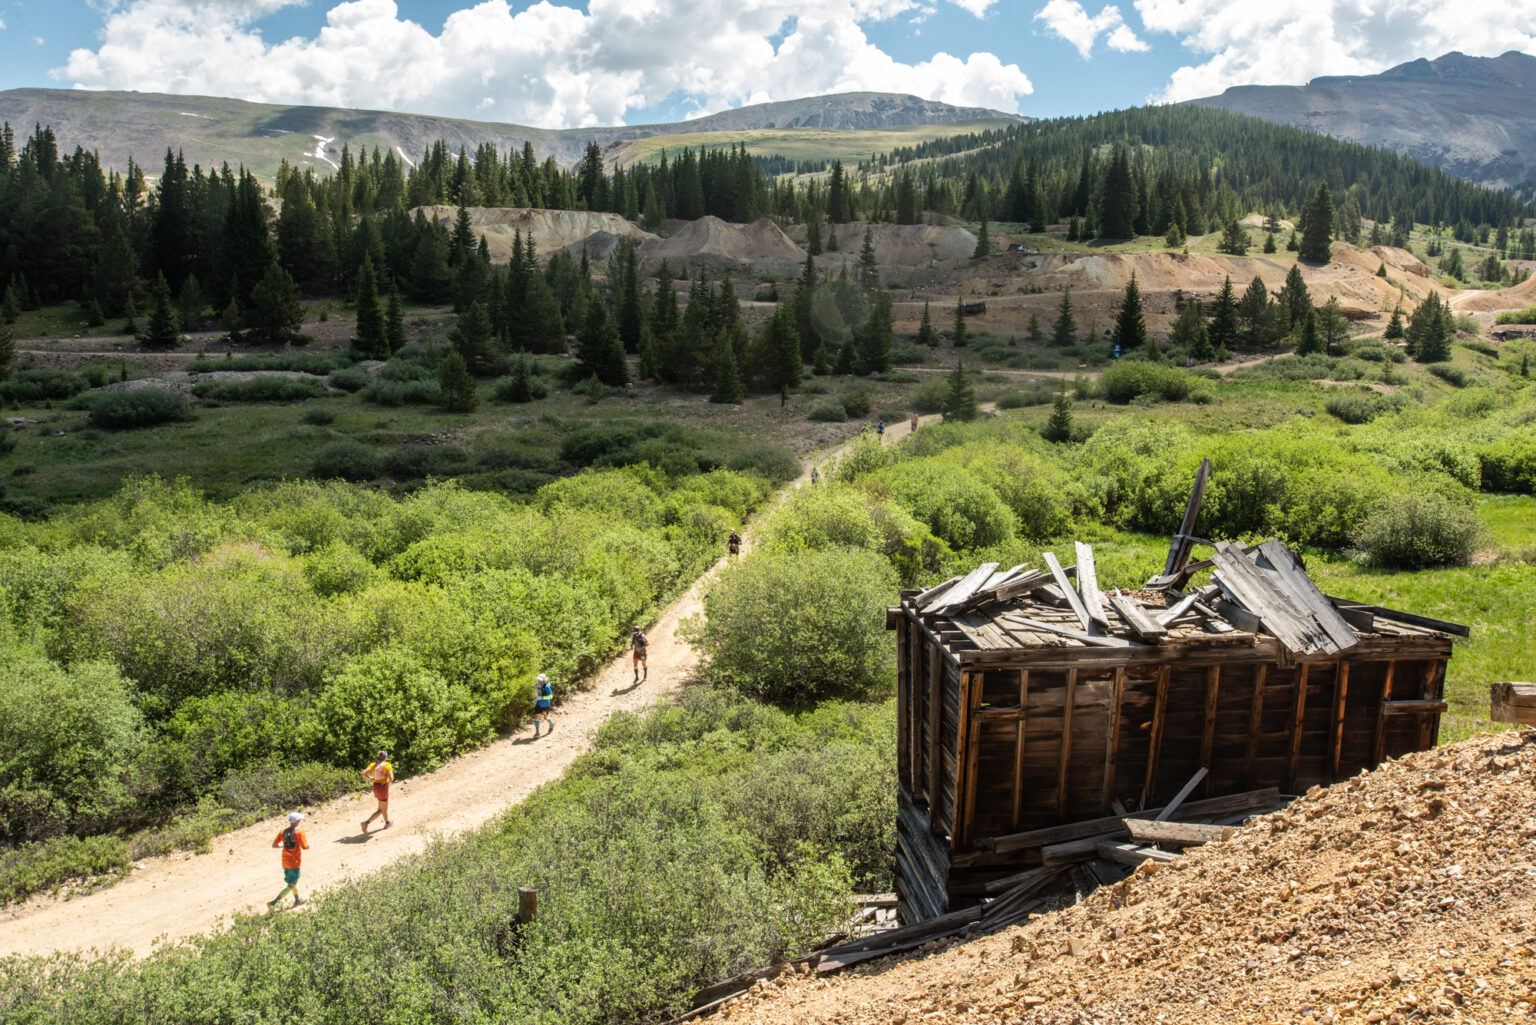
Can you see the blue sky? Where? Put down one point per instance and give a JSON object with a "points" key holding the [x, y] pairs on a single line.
{"points": [[564, 63]]}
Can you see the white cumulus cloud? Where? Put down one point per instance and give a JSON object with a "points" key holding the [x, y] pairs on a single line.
{"points": [[550, 64], [1069, 20], [1289, 42]]}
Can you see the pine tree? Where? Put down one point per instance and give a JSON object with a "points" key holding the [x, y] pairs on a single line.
{"points": [[275, 315], [1234, 240], [958, 336], [1130, 325], [1064, 331], [1428, 340], [1119, 205], [1394, 329], [1059, 427], [869, 272], [7, 349], [160, 332], [778, 351], [1223, 327], [872, 345], [1381, 271], [1190, 334], [1251, 309], [1269, 243], [394, 324], [821, 362], [456, 387], [1308, 340], [598, 348], [93, 316], [1032, 332], [371, 339], [1294, 296], [521, 387], [192, 302], [1292, 245], [471, 339], [1317, 227], [1332, 325], [648, 367], [843, 366], [926, 335], [728, 388], [983, 243], [1174, 238], [10, 308], [960, 399], [131, 315]]}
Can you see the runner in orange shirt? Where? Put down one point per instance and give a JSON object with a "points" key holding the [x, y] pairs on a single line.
{"points": [[293, 843]]}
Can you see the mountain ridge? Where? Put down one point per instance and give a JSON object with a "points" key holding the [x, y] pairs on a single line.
{"points": [[211, 130], [1470, 116]]}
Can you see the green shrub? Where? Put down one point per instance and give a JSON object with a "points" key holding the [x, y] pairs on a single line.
{"points": [[958, 508], [214, 734], [1356, 407], [1126, 380], [29, 387], [1450, 374], [318, 416], [777, 464], [1509, 465], [269, 787], [260, 389], [836, 516], [798, 627], [338, 568], [1525, 316], [827, 413], [929, 396], [401, 393], [389, 699], [347, 460], [316, 363], [353, 379], [32, 867], [402, 370], [1420, 529], [413, 462], [68, 738], [856, 402], [138, 407], [1020, 398]]}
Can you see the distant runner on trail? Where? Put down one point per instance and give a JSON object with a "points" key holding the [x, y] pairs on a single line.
{"points": [[733, 543], [638, 644], [543, 702], [913, 421], [381, 774], [880, 430], [293, 843], [815, 475]]}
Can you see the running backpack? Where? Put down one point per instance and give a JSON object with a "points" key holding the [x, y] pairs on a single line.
{"points": [[290, 841]]}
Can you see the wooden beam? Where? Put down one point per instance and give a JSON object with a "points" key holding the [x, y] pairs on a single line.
{"points": [[1132, 854], [1155, 741], [1336, 735], [1434, 682], [903, 688], [1185, 834], [1068, 591], [1405, 617], [915, 665], [967, 586], [1112, 736], [1142, 624], [933, 592], [1018, 747], [1178, 549], [1509, 701], [1172, 806], [1088, 585], [1212, 694], [935, 723], [1379, 748], [1110, 825], [1069, 703], [1095, 640], [1256, 720], [1416, 706], [1299, 587], [968, 734], [1185, 604], [1298, 710]]}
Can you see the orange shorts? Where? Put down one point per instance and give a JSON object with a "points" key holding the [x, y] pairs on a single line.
{"points": [[381, 791]]}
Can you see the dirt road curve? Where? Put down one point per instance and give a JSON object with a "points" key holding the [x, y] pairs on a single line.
{"points": [[185, 894]]}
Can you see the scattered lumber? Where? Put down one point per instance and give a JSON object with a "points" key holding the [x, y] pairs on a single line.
{"points": [[1133, 854], [1137, 618], [1178, 799], [1088, 585], [1185, 834], [1513, 702], [1038, 839], [1068, 591]]}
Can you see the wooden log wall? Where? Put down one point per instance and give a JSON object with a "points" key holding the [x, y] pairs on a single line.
{"points": [[988, 750]]}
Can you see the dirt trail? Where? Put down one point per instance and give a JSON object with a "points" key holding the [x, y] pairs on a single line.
{"points": [[185, 894]]}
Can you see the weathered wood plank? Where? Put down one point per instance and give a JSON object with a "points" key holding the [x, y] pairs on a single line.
{"points": [[1379, 746], [1178, 549], [1418, 706], [1253, 589], [1300, 588], [1510, 701], [1238, 616], [1088, 585], [1255, 721], [1068, 706], [1410, 618], [1185, 834], [1074, 601], [1018, 748], [1096, 640], [962, 590], [1135, 617], [1132, 854], [1184, 605], [1110, 824], [1112, 736], [1298, 710], [1434, 681], [935, 723], [1212, 694], [1172, 807], [903, 688], [1155, 740], [970, 731], [934, 592], [1336, 734]]}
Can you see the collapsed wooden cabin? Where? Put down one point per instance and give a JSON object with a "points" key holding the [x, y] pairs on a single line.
{"points": [[1037, 713]]}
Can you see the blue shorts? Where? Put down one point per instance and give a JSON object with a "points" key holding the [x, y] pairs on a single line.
{"points": [[290, 876], [541, 706]]}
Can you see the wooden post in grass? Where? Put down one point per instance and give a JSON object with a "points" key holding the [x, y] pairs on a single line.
{"points": [[527, 905]]}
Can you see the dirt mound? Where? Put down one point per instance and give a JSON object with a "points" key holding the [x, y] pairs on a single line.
{"points": [[906, 245], [1402, 895], [550, 229], [723, 247], [1516, 298]]}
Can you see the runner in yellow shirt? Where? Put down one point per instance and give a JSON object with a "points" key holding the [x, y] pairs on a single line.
{"points": [[381, 773]]}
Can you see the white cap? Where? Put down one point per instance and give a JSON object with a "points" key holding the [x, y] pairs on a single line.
{"points": [[295, 816], [543, 678]]}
